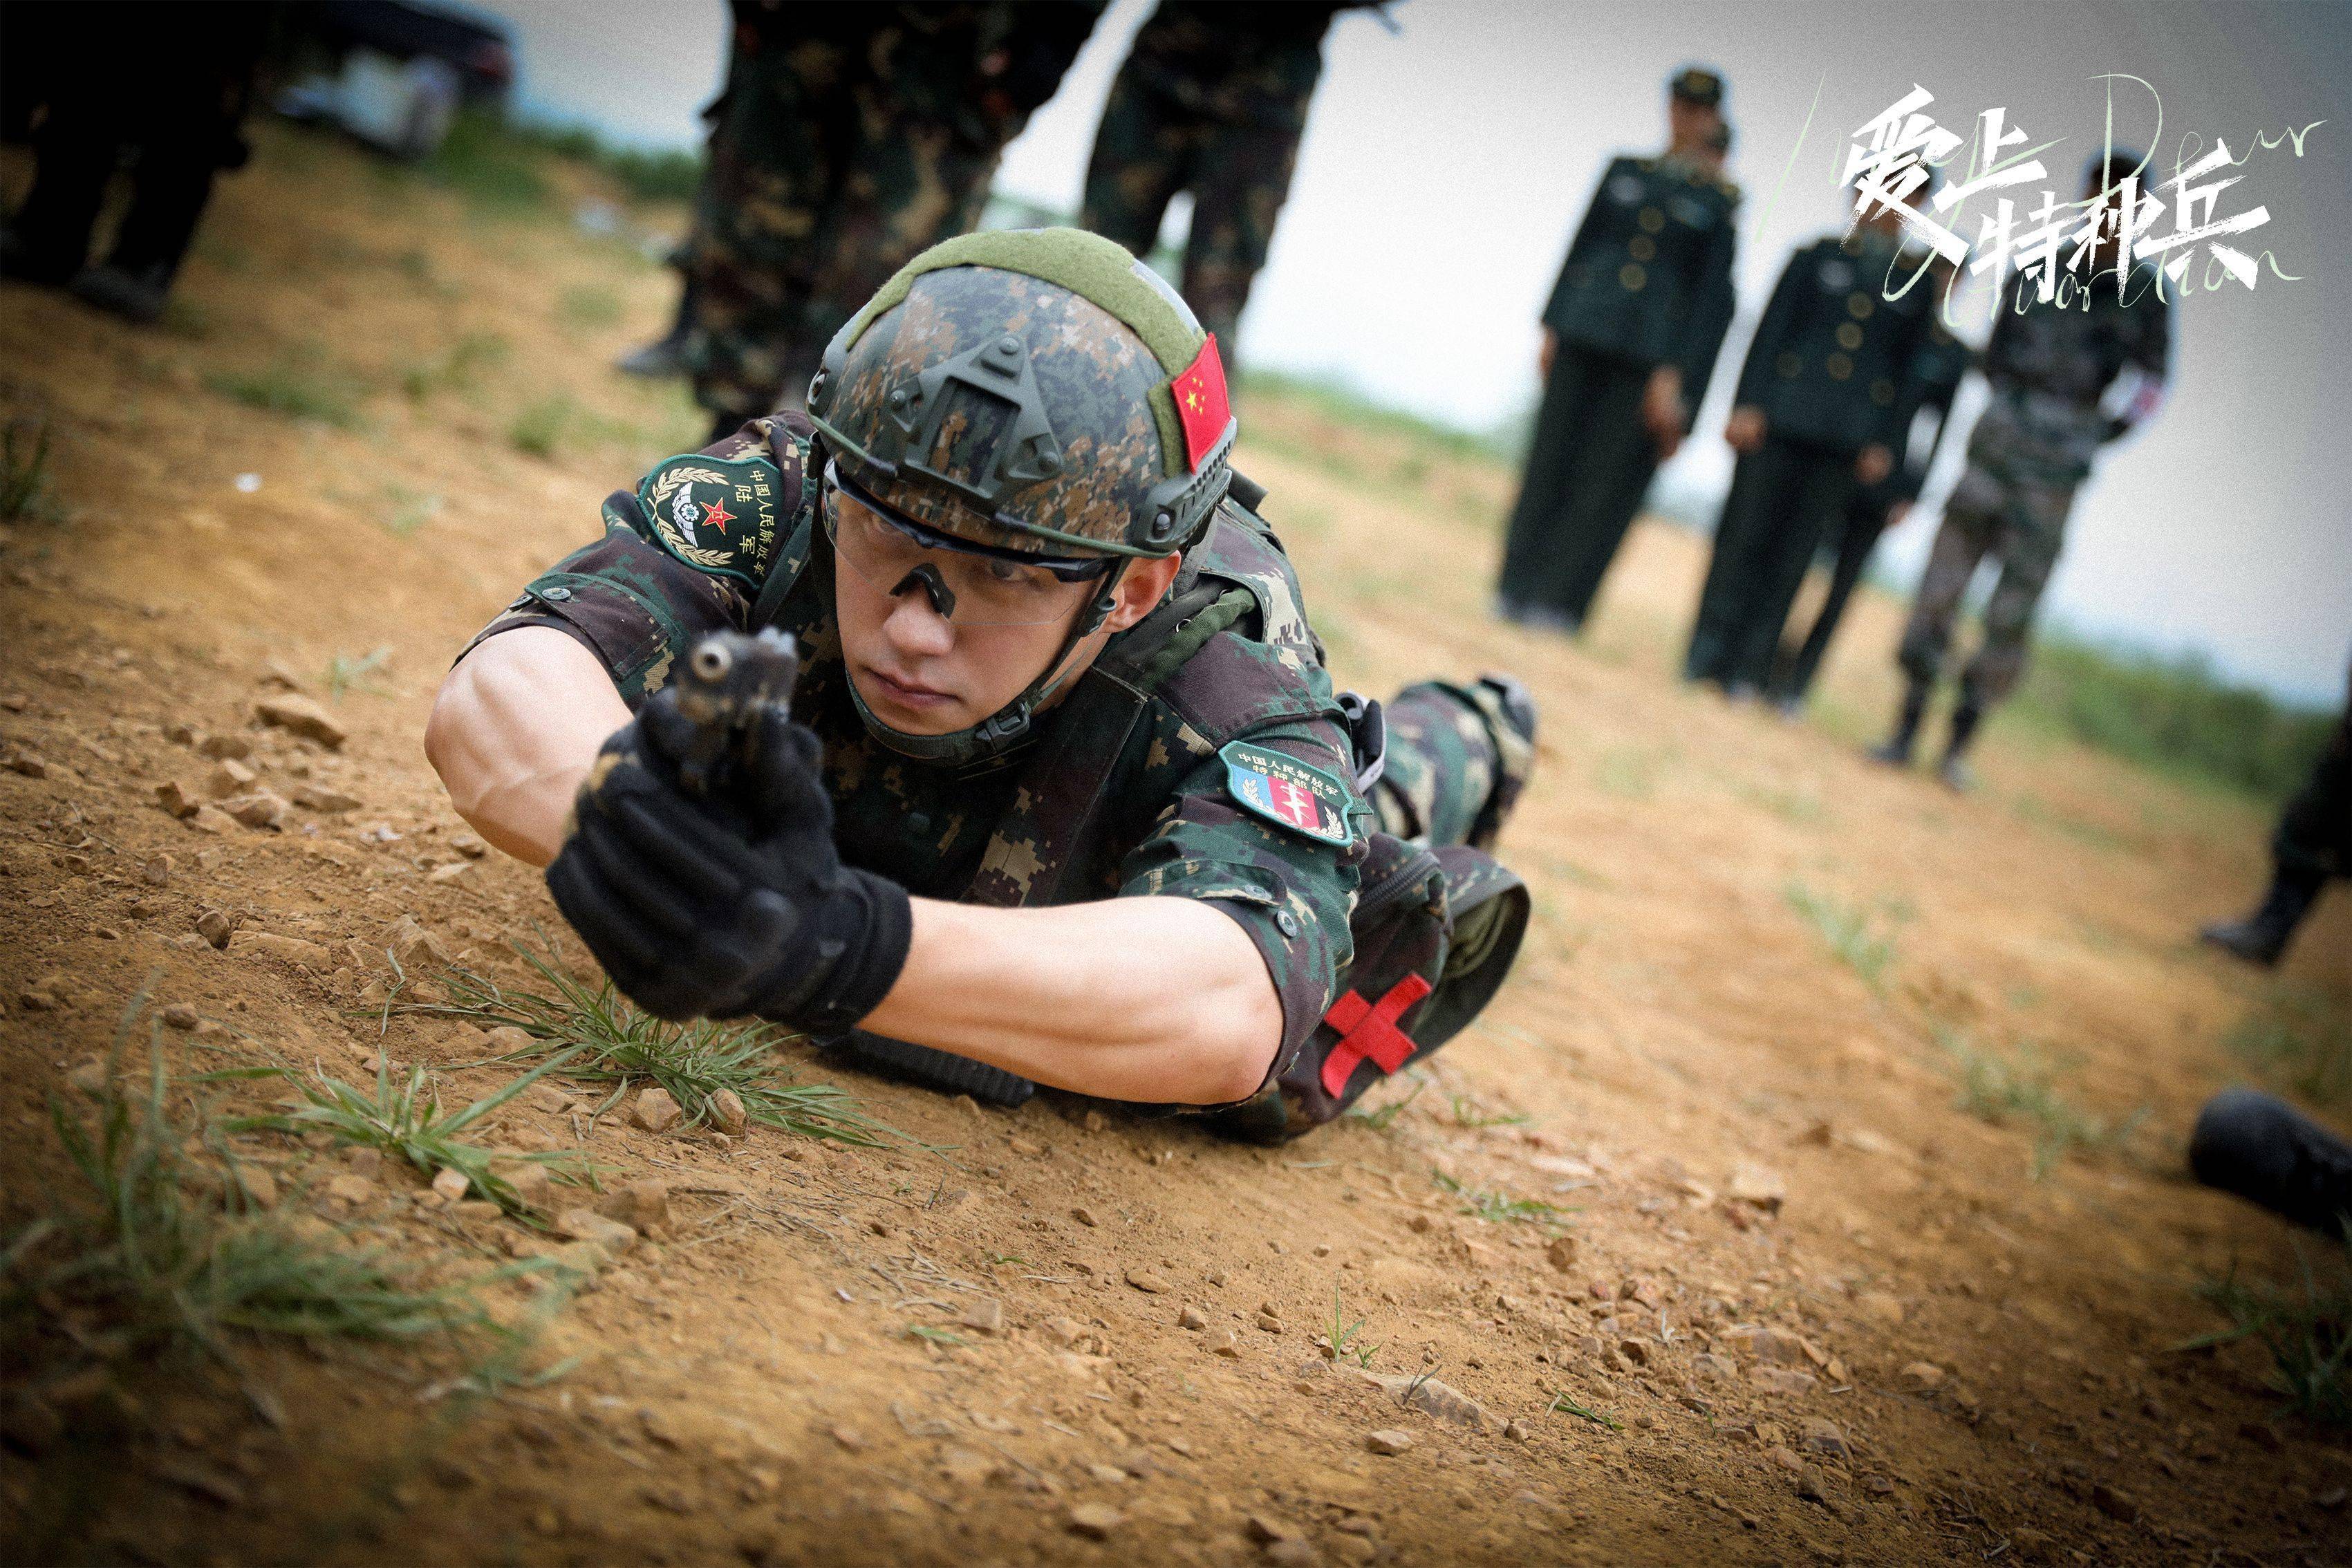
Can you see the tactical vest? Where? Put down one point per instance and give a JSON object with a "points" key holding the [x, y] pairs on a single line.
{"points": [[1434, 931]]}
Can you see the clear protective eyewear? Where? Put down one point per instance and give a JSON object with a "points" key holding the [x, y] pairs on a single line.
{"points": [[971, 585]]}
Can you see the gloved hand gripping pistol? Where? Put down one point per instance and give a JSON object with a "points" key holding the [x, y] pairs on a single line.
{"points": [[727, 683]]}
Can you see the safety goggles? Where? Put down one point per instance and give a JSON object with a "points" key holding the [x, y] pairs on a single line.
{"points": [[969, 584]]}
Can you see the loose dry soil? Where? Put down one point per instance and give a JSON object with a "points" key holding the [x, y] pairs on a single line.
{"points": [[1816, 1309]]}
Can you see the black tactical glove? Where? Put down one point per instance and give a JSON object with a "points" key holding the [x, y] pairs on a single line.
{"points": [[730, 906]]}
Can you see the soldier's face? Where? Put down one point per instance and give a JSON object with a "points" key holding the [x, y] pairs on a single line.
{"points": [[928, 673], [1689, 125]]}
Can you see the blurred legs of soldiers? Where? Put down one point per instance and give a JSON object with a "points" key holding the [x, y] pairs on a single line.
{"points": [[2018, 523], [1589, 459], [846, 141], [174, 103], [1149, 148], [1784, 497], [2313, 845], [1866, 517], [1458, 759]]}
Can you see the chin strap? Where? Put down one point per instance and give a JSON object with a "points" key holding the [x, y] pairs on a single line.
{"points": [[1008, 727]]}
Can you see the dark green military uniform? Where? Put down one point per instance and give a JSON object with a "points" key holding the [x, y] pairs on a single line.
{"points": [[1647, 282], [2051, 368], [1174, 826], [1835, 366], [848, 139], [1213, 99], [1944, 363]]}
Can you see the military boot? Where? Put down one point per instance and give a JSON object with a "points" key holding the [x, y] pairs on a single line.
{"points": [[135, 295], [2261, 936], [1518, 703], [1896, 750], [2265, 1151], [1953, 770]]}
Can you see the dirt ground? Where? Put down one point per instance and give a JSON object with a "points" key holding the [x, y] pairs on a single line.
{"points": [[1794, 1300]]}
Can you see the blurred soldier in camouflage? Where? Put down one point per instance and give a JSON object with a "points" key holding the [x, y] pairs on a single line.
{"points": [[1213, 99], [1051, 658], [2312, 847], [1875, 509], [847, 139], [2066, 380], [1832, 377], [1630, 335]]}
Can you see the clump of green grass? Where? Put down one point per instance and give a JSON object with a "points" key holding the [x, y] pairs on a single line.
{"points": [[2305, 1326], [1561, 1402], [1861, 939], [456, 368], [404, 1119], [539, 429], [1468, 1114], [2299, 1039], [588, 306], [151, 1263], [1495, 1207], [349, 672], [604, 1040], [1382, 1119], [25, 474], [2019, 1088], [1344, 1335], [408, 511], [297, 388]]}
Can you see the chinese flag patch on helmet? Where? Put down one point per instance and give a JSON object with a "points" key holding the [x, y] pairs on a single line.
{"points": [[1202, 404]]}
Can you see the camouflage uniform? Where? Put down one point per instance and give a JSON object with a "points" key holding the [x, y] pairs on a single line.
{"points": [[1005, 834], [1213, 99], [1647, 282], [848, 139], [2050, 367], [1835, 366]]}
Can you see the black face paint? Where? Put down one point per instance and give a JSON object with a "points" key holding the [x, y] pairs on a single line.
{"points": [[934, 586]]}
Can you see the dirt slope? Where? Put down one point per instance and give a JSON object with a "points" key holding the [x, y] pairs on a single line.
{"points": [[1814, 1307]]}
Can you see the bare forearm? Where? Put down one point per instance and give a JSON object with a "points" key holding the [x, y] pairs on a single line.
{"points": [[1143, 999], [513, 732]]}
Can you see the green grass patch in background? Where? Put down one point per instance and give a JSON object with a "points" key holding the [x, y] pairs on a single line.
{"points": [[1861, 939], [297, 386], [2174, 714], [2019, 1088], [2302, 1039]]}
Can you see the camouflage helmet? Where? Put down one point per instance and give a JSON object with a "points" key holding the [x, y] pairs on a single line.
{"points": [[1019, 389]]}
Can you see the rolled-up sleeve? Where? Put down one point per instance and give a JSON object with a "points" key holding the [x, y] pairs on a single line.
{"points": [[1290, 891]]}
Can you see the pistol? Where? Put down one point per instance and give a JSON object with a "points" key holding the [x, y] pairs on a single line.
{"points": [[726, 684]]}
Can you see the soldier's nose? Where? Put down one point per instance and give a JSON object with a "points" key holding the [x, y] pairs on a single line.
{"points": [[915, 625]]}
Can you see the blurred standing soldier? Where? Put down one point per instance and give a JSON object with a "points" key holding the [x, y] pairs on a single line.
{"points": [[1876, 508], [2066, 379], [1630, 337], [1832, 377], [848, 139], [1213, 99], [2312, 846], [168, 86]]}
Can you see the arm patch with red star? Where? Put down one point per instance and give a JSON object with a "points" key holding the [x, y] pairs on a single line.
{"points": [[716, 514], [1288, 793]]}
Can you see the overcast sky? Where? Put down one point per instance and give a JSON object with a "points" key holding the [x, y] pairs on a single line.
{"points": [[1447, 161]]}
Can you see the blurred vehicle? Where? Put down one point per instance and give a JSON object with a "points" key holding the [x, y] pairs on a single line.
{"points": [[401, 72]]}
